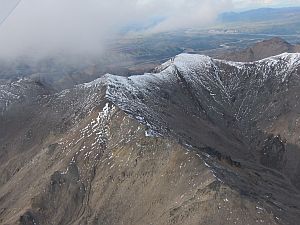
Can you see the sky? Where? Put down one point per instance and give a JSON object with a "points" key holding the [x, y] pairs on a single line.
{"points": [[251, 4], [42, 27]]}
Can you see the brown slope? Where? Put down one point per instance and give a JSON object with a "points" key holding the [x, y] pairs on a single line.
{"points": [[99, 167], [201, 155], [261, 50]]}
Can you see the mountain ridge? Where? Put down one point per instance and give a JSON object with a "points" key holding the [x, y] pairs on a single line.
{"points": [[259, 14], [260, 50], [193, 137]]}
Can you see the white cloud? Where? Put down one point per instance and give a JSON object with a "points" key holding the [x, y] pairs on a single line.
{"points": [[246, 4], [192, 13], [82, 26], [44, 27]]}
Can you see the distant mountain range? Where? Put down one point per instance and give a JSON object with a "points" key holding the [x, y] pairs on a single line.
{"points": [[282, 21], [261, 14]]}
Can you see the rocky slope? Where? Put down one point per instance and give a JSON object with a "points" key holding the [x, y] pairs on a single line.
{"points": [[200, 141]]}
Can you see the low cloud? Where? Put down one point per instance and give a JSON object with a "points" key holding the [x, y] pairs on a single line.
{"points": [[191, 14], [45, 27]]}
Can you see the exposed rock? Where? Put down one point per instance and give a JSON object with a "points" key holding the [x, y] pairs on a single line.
{"points": [[194, 143]]}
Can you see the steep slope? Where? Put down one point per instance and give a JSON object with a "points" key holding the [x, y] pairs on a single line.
{"points": [[20, 91], [196, 142], [238, 104]]}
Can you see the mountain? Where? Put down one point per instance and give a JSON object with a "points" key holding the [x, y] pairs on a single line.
{"points": [[260, 14], [260, 50], [62, 71], [272, 21], [198, 141]]}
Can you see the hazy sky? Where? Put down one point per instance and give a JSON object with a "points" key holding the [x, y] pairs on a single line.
{"points": [[249, 4], [82, 26]]}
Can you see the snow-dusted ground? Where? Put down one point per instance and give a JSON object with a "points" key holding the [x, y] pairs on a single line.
{"points": [[219, 88], [216, 88], [198, 101]]}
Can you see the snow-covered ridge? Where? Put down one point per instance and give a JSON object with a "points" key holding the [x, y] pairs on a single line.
{"points": [[16, 91], [204, 71], [289, 58], [191, 60], [210, 84], [93, 83], [191, 63]]}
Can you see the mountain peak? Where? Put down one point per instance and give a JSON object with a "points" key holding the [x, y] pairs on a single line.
{"points": [[209, 127], [261, 50]]}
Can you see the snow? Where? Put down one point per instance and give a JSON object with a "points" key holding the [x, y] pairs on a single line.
{"points": [[152, 133], [93, 83], [203, 77], [14, 91], [189, 62]]}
